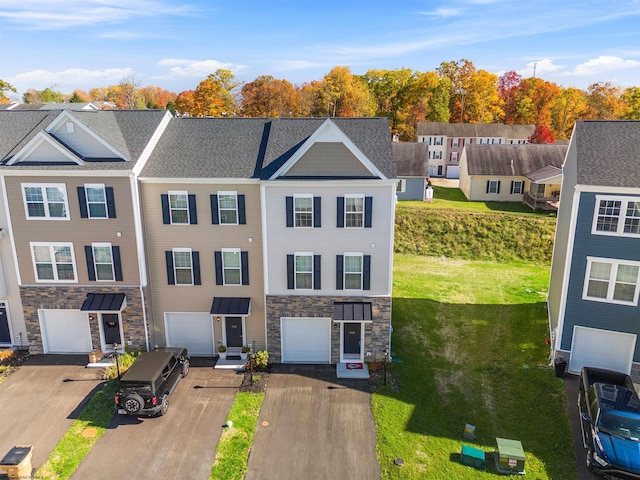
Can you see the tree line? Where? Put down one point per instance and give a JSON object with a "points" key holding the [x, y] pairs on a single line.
{"points": [[455, 92]]}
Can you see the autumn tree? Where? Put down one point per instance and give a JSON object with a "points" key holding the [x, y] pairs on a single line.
{"points": [[269, 97], [603, 101], [534, 98], [346, 95], [155, 97], [5, 87], [631, 102], [568, 107], [127, 97], [541, 134], [213, 97], [186, 102], [483, 104], [439, 102], [459, 73], [508, 84], [79, 96]]}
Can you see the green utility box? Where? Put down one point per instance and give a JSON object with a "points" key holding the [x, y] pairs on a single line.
{"points": [[510, 456], [474, 457]]}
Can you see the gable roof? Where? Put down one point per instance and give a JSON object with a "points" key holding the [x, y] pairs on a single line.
{"points": [[608, 152], [411, 158], [474, 130], [512, 160]]}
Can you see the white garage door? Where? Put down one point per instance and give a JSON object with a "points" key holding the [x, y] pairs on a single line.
{"points": [[191, 330], [306, 340], [65, 331], [601, 348]]}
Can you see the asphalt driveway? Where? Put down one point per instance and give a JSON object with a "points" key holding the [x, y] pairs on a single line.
{"points": [[572, 385], [314, 425], [181, 444], [41, 400]]}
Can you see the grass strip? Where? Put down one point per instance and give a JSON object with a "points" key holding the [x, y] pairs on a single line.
{"points": [[74, 446], [232, 453]]}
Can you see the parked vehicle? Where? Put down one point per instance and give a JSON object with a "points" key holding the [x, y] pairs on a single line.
{"points": [[146, 387], [610, 419]]}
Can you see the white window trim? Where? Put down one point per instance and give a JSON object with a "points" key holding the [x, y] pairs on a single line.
{"points": [[43, 186], [614, 268], [302, 195], [455, 143], [176, 193], [175, 271], [51, 245], [95, 265], [402, 185], [521, 187], [621, 218], [106, 206], [354, 195], [495, 183], [454, 156], [234, 194], [295, 269], [224, 276], [344, 269]]}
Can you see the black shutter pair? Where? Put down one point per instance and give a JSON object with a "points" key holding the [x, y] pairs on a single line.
{"points": [[368, 212], [84, 209], [513, 186], [317, 212], [115, 257], [166, 213], [366, 272], [244, 267], [215, 217], [489, 186], [291, 272], [195, 266]]}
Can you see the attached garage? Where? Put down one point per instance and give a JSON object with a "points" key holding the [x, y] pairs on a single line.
{"points": [[601, 348], [306, 340], [65, 331], [191, 330]]}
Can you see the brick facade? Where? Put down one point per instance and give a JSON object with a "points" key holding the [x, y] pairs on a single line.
{"points": [[376, 334]]}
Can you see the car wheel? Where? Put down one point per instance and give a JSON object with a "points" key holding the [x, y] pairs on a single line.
{"points": [[164, 406], [133, 403], [185, 368]]}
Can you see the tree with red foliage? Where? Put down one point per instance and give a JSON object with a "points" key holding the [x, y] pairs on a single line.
{"points": [[541, 134]]}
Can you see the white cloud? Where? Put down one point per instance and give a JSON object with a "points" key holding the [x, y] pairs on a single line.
{"points": [[604, 64], [198, 68], [443, 12], [539, 68], [70, 79]]}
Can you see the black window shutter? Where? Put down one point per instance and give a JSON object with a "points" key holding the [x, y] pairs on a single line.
{"points": [[316, 272], [217, 256], [117, 263], [215, 219], [512, 183], [289, 207], [291, 284], [368, 211], [195, 264], [242, 211], [366, 272], [340, 212], [166, 217], [244, 263], [488, 185], [193, 211], [339, 272], [171, 280], [498, 189], [317, 212], [82, 202], [91, 270], [111, 202]]}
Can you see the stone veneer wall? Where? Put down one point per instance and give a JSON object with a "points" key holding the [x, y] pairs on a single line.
{"points": [[376, 336], [72, 298]]}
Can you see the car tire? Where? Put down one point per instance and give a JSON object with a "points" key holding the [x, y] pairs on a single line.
{"points": [[133, 403], [164, 405], [185, 368]]}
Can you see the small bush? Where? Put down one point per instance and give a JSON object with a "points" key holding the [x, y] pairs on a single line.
{"points": [[6, 355], [259, 359], [124, 362]]}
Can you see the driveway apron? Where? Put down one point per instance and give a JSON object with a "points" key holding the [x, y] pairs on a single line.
{"points": [[40, 401], [181, 444], [314, 426]]}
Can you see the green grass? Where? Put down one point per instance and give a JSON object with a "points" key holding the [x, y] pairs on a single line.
{"points": [[233, 448], [471, 336], [73, 446]]}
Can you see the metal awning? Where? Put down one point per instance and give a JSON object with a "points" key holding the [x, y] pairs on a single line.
{"points": [[352, 312], [104, 302], [231, 306]]}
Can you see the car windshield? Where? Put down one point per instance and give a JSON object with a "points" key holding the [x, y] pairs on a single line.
{"points": [[620, 423]]}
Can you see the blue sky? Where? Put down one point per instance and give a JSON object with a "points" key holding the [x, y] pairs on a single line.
{"points": [[174, 44]]}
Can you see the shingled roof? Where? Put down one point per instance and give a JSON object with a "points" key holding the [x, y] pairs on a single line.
{"points": [[475, 130], [608, 152], [512, 160], [411, 158]]}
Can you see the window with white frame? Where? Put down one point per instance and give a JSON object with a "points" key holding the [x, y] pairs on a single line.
{"points": [[231, 266], [454, 156], [455, 142], [437, 155], [617, 216], [493, 186], [303, 210], [303, 271], [103, 262], [518, 187], [354, 211], [402, 185], [179, 207], [613, 281], [438, 141], [53, 262], [45, 201], [228, 208], [182, 266], [96, 201], [353, 271]]}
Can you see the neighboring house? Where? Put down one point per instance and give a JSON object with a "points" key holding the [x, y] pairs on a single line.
{"points": [[513, 173], [74, 224], [595, 272], [17, 106], [447, 140], [412, 168]]}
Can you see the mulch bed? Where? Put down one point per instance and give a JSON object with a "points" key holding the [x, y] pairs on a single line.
{"points": [[260, 380]]}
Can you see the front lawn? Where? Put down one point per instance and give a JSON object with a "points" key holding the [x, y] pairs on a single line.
{"points": [[471, 339]]}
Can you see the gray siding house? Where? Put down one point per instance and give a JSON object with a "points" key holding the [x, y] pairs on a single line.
{"points": [[412, 168]]}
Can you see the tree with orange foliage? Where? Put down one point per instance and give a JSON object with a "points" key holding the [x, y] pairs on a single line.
{"points": [[269, 97], [186, 103], [603, 101], [541, 134], [534, 98], [507, 87]]}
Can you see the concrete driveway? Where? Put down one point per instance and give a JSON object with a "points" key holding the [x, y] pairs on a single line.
{"points": [[314, 425], [40, 401], [181, 444]]}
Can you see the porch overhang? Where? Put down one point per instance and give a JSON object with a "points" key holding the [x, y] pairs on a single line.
{"points": [[240, 306], [352, 312], [104, 302]]}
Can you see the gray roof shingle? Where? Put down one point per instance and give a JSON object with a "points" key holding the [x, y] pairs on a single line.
{"points": [[411, 158], [475, 130], [512, 160]]}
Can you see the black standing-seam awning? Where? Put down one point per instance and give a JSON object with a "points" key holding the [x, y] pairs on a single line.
{"points": [[104, 302], [352, 312], [231, 306]]}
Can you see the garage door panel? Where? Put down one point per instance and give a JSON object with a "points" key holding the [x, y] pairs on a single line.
{"points": [[65, 331], [306, 340], [191, 330], [601, 348]]}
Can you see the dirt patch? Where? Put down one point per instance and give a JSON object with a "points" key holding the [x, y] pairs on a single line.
{"points": [[256, 381]]}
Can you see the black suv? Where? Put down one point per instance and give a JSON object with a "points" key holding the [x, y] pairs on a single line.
{"points": [[146, 387]]}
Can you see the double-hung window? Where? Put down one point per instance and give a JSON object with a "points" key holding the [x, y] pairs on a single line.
{"points": [[304, 271], [179, 207], [610, 280], [45, 201], [303, 210], [493, 186], [96, 201], [354, 211], [228, 208], [353, 271], [103, 262], [517, 187], [53, 262], [231, 266], [617, 216]]}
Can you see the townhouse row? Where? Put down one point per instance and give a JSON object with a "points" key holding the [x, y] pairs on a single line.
{"points": [[136, 229]]}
